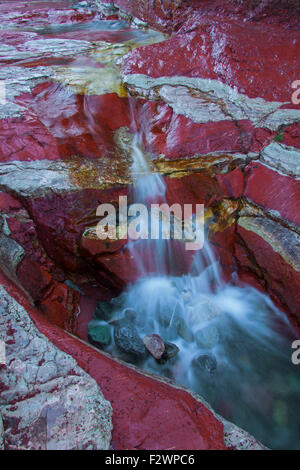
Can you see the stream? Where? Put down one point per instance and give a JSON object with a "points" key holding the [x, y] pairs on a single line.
{"points": [[230, 344], [233, 343]]}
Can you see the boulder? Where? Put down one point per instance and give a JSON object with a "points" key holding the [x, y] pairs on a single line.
{"points": [[130, 314]]}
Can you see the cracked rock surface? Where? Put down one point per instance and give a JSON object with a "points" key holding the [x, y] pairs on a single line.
{"points": [[46, 400]]}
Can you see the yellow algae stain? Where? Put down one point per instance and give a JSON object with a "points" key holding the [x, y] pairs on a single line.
{"points": [[90, 80], [107, 53], [182, 167], [224, 215], [101, 173]]}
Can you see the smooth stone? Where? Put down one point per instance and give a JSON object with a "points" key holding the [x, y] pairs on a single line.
{"points": [[104, 311], [175, 324], [128, 340], [130, 314], [202, 311], [155, 345], [207, 337], [206, 363], [170, 351], [99, 333]]}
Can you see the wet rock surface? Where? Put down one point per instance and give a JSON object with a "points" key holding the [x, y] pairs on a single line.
{"points": [[207, 337], [200, 428], [99, 334], [128, 340], [171, 350], [216, 121], [205, 363], [155, 345]]}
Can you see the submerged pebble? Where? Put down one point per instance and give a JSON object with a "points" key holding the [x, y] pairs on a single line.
{"points": [[207, 337], [130, 314], [171, 350], [128, 340], [99, 333], [155, 345], [205, 363]]}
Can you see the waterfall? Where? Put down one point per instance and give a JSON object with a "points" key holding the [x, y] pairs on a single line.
{"points": [[230, 344]]}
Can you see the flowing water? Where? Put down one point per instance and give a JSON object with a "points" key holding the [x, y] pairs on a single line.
{"points": [[234, 344], [230, 344]]}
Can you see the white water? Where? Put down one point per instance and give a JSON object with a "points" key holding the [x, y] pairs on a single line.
{"points": [[248, 375]]}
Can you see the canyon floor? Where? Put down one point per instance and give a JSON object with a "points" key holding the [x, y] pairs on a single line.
{"points": [[208, 93]]}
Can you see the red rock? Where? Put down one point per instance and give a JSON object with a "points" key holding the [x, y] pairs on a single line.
{"points": [[223, 246], [273, 191], [291, 135], [42, 14], [60, 306], [282, 280], [61, 220], [87, 307], [7, 202], [232, 183], [140, 403], [36, 273], [196, 188], [26, 139], [169, 15], [155, 345], [176, 136], [95, 246], [164, 15], [127, 266], [34, 277], [94, 117], [236, 54]]}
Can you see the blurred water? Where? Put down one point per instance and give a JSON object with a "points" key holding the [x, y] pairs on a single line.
{"points": [[234, 343], [241, 364]]}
